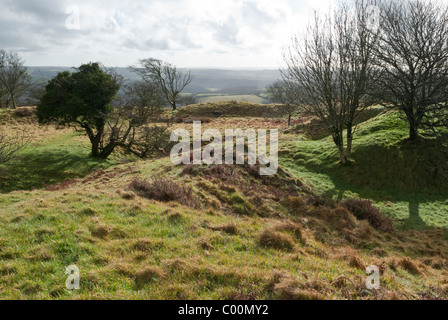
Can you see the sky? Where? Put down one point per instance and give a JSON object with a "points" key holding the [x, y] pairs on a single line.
{"points": [[186, 33]]}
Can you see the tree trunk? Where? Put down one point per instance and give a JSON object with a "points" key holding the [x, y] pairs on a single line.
{"points": [[413, 125], [107, 151], [95, 148], [13, 100], [338, 139], [349, 141], [413, 132], [342, 155], [96, 140], [289, 120]]}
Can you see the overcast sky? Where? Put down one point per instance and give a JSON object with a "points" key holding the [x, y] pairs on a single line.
{"points": [[188, 33]]}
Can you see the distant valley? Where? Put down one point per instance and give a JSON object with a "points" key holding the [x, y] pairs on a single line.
{"points": [[208, 85]]}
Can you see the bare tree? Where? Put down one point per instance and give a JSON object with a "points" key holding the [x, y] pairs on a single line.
{"points": [[35, 92], [413, 58], [187, 100], [332, 65], [286, 93], [14, 79], [2, 94], [128, 126], [171, 81]]}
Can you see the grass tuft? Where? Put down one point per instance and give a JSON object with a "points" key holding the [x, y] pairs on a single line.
{"points": [[275, 240], [148, 275], [165, 190]]}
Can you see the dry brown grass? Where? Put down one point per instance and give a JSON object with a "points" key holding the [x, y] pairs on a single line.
{"points": [[165, 190], [356, 262], [410, 266], [338, 218], [230, 228], [178, 265], [286, 287], [272, 239], [127, 195], [143, 245], [147, 275], [41, 254], [290, 227], [101, 231], [364, 210], [439, 264], [231, 109], [352, 258], [62, 186], [406, 264], [294, 203]]}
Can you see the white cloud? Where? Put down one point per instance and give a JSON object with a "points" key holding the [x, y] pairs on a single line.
{"points": [[233, 33]]}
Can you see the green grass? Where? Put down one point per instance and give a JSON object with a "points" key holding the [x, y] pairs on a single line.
{"points": [[113, 241], [128, 247], [404, 180], [61, 158]]}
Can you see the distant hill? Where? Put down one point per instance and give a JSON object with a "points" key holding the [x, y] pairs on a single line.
{"points": [[205, 80]]}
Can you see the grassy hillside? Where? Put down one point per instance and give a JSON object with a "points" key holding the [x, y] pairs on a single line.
{"points": [[408, 182], [150, 230]]}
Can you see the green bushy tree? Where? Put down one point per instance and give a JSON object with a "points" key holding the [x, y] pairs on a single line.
{"points": [[83, 98]]}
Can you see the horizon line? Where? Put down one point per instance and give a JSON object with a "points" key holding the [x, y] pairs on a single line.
{"points": [[200, 68]]}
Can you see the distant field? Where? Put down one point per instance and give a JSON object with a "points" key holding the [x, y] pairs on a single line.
{"points": [[205, 98]]}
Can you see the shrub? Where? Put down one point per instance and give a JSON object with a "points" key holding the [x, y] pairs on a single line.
{"points": [[364, 210], [178, 120], [321, 201], [191, 169], [165, 190], [24, 112], [205, 120]]}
